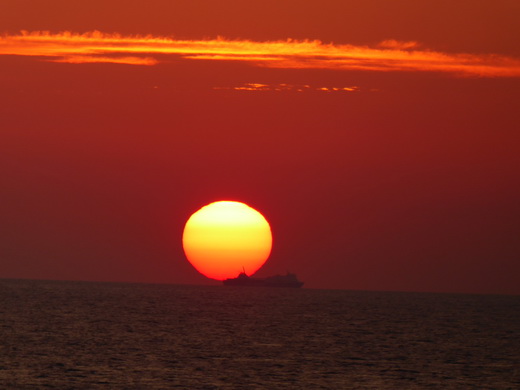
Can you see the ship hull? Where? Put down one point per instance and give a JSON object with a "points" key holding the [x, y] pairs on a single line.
{"points": [[260, 283], [286, 281]]}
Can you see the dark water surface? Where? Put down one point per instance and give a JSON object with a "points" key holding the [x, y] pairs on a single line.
{"points": [[69, 335]]}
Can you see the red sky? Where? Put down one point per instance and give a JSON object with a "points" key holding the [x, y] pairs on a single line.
{"points": [[385, 156]]}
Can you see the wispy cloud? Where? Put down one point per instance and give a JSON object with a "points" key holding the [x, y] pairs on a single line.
{"points": [[289, 87], [393, 44], [388, 56], [81, 59]]}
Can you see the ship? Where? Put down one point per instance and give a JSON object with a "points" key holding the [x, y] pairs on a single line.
{"points": [[242, 280]]}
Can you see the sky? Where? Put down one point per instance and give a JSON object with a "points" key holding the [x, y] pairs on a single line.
{"points": [[379, 138]]}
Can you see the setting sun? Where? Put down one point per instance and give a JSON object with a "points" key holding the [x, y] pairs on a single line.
{"points": [[223, 238]]}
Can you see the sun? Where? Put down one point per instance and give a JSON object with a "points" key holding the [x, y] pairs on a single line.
{"points": [[224, 238]]}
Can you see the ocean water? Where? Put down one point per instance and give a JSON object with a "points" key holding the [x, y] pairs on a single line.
{"points": [[74, 335]]}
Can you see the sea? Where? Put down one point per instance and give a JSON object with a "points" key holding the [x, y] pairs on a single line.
{"points": [[89, 335]]}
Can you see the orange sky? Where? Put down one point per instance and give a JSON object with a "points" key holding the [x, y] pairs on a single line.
{"points": [[380, 139]]}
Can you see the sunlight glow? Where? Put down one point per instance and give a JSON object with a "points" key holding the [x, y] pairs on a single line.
{"points": [[225, 237]]}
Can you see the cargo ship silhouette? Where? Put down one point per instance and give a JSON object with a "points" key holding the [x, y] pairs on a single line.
{"points": [[242, 280]]}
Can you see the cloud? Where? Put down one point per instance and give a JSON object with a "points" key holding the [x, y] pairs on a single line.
{"points": [[289, 87], [393, 44], [80, 59], [388, 56]]}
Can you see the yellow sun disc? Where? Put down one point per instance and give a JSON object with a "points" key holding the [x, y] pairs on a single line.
{"points": [[225, 237]]}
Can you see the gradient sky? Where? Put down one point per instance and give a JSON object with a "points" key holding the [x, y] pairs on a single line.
{"points": [[379, 138]]}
